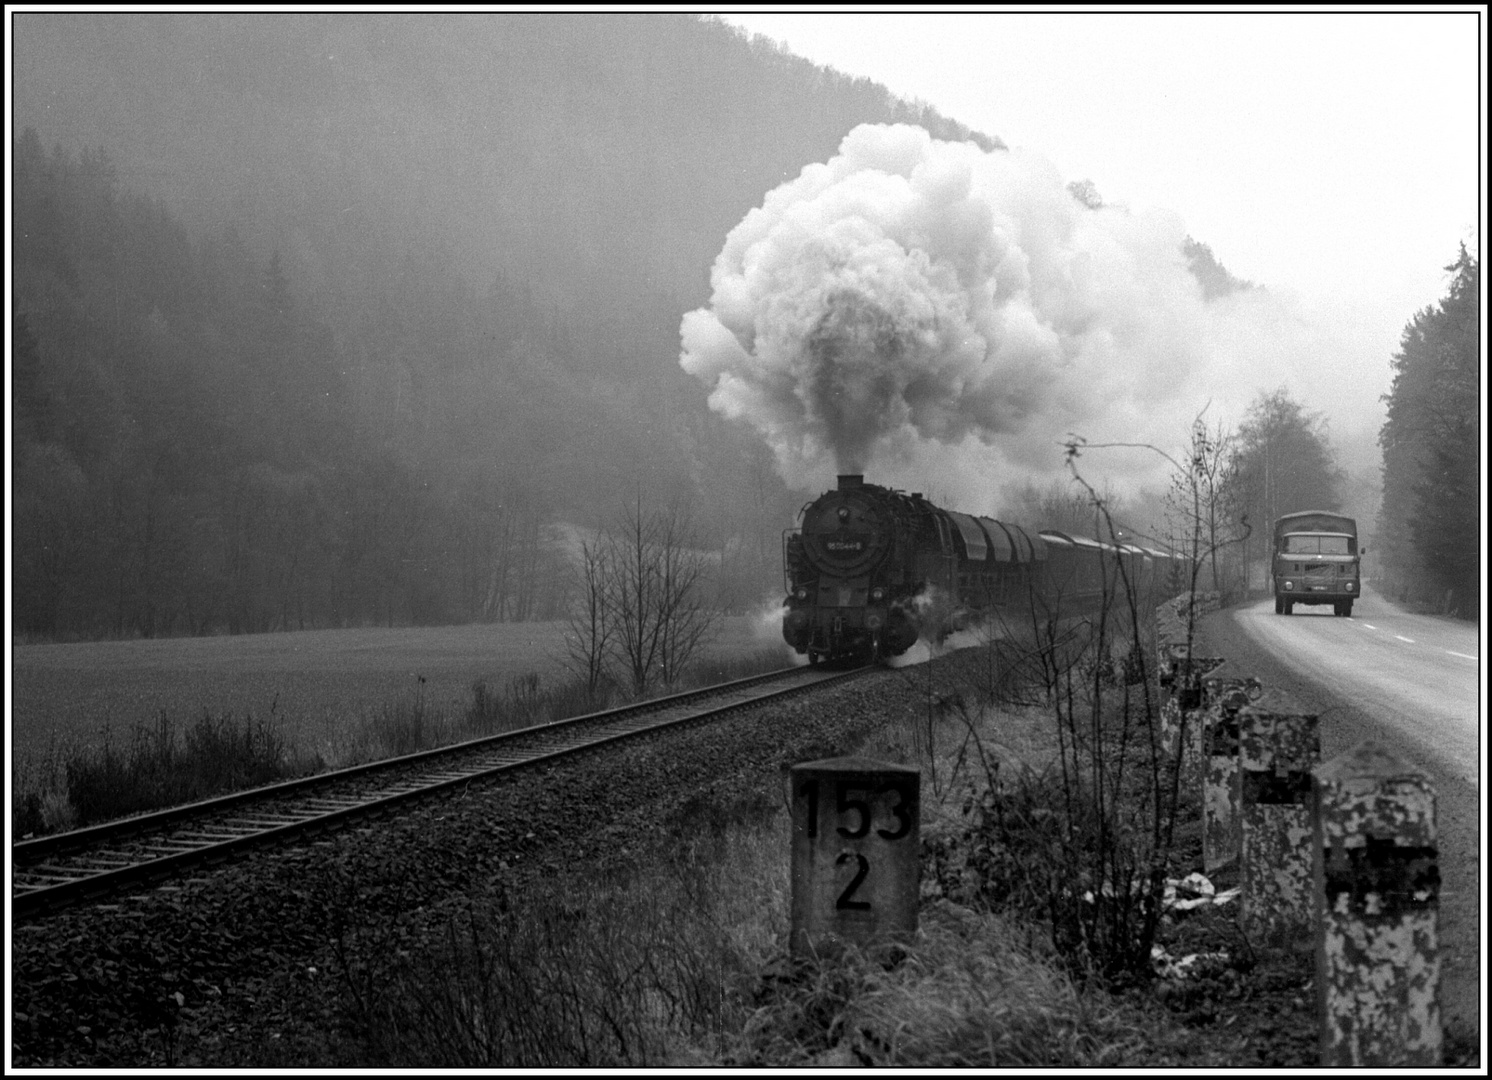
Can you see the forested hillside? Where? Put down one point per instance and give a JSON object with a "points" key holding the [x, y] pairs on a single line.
{"points": [[1430, 527], [330, 320]]}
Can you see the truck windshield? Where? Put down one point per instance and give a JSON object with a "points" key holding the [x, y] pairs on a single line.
{"points": [[1318, 545]]}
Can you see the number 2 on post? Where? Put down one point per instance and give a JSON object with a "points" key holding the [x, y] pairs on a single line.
{"points": [[844, 903]]}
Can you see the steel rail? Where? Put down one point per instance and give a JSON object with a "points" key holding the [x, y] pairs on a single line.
{"points": [[82, 865]]}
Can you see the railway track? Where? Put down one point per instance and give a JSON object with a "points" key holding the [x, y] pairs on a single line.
{"points": [[58, 871]]}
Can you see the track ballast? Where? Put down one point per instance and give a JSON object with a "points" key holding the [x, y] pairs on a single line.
{"points": [[58, 871]]}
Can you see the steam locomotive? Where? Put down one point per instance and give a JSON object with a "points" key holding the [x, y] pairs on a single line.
{"points": [[870, 569]]}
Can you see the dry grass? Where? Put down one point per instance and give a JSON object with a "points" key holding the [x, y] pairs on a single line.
{"points": [[335, 697], [970, 992], [319, 682], [580, 972]]}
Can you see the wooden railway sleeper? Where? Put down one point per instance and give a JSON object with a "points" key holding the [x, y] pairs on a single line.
{"points": [[173, 849], [60, 873]]}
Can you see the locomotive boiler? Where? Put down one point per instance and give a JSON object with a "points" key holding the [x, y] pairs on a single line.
{"points": [[870, 569]]}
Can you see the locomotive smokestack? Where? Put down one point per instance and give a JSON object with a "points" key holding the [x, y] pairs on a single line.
{"points": [[851, 480]]}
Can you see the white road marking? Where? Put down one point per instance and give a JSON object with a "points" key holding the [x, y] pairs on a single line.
{"points": [[1370, 626], [1462, 655], [1403, 638]]}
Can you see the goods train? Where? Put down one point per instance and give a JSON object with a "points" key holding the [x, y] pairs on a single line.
{"points": [[870, 569]]}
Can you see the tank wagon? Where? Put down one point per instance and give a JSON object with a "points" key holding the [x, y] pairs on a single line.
{"points": [[870, 569]]}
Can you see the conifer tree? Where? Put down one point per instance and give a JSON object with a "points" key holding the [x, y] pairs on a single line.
{"points": [[1430, 526]]}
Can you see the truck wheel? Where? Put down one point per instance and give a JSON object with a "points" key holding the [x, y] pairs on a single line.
{"points": [[1289, 607], [1347, 609], [1279, 605]]}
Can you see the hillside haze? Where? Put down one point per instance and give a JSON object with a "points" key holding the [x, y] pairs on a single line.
{"points": [[331, 319], [597, 160]]}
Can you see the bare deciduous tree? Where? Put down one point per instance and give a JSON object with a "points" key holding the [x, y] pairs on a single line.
{"points": [[640, 610], [656, 603], [588, 636], [1205, 506]]}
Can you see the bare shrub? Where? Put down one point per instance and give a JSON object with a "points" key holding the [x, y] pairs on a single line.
{"points": [[1084, 841]]}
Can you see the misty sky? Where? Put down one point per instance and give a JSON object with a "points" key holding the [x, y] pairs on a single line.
{"points": [[1333, 158]]}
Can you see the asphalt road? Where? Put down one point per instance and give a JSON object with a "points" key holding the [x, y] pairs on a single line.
{"points": [[1416, 674], [1415, 683]]}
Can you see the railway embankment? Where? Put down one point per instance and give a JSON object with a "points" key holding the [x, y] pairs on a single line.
{"points": [[247, 959]]}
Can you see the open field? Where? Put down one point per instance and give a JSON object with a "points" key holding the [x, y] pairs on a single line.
{"points": [[317, 681]]}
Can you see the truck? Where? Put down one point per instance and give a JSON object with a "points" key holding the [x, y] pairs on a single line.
{"points": [[1316, 560]]}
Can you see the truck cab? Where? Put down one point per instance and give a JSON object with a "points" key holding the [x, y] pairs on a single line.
{"points": [[1316, 560]]}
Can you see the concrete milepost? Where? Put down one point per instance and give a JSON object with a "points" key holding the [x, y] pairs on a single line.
{"points": [[1378, 890], [1278, 746], [855, 851]]}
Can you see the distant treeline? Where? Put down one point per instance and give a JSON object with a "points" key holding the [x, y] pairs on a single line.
{"points": [[196, 449], [440, 338]]}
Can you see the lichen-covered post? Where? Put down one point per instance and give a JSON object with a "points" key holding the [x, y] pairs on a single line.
{"points": [[855, 854], [1192, 700], [1181, 674], [1377, 891], [1226, 690], [1278, 746]]}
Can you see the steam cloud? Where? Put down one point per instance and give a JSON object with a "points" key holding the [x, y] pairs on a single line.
{"points": [[915, 307]]}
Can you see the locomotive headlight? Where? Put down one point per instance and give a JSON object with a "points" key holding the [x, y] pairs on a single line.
{"points": [[878, 593], [801, 593], [873, 621]]}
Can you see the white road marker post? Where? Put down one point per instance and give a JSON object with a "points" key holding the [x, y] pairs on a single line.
{"points": [[1377, 886], [1226, 690], [1278, 746], [855, 854]]}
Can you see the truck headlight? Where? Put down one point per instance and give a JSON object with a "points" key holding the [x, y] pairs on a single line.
{"points": [[1349, 586], [801, 593], [1289, 585]]}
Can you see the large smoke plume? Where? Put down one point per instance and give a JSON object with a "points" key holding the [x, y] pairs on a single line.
{"points": [[917, 309]]}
